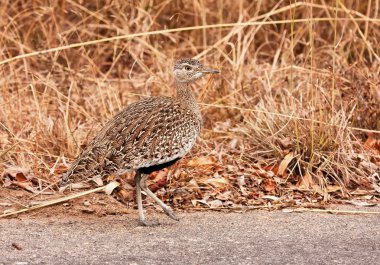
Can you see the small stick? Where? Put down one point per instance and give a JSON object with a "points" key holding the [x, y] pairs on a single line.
{"points": [[55, 201]]}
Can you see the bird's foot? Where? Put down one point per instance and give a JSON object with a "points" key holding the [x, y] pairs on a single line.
{"points": [[149, 223], [169, 212]]}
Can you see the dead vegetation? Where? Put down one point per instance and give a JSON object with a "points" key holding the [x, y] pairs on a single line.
{"points": [[294, 117]]}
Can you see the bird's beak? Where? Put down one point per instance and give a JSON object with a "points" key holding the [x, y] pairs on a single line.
{"points": [[207, 70]]}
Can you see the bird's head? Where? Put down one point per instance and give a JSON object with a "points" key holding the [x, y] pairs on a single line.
{"points": [[189, 70]]}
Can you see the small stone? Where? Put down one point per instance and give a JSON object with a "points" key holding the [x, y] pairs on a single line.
{"points": [[16, 246]]}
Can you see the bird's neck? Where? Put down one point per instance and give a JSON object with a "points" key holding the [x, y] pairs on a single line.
{"points": [[186, 96]]}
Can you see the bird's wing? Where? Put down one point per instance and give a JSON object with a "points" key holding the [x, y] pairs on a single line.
{"points": [[146, 133]]}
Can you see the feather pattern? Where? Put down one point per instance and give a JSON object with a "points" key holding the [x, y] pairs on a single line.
{"points": [[151, 132]]}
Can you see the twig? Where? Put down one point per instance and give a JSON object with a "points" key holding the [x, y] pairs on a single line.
{"points": [[55, 201]]}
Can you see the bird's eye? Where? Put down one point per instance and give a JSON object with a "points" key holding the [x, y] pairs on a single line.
{"points": [[187, 68]]}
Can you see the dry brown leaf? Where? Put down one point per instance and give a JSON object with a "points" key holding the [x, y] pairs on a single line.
{"points": [[126, 195], [333, 188], [215, 203], [217, 182], [266, 172], [193, 185], [373, 144], [269, 185], [201, 161], [225, 196], [203, 201], [284, 164], [159, 179], [306, 181], [25, 185], [20, 177], [17, 174]]}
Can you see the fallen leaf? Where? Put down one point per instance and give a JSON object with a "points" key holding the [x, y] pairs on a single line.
{"points": [[215, 203], [125, 195], [18, 174], [217, 182], [193, 185], [306, 181], [269, 170], [25, 185], [333, 188], [110, 187], [98, 180], [372, 143], [269, 185], [201, 161], [284, 164], [160, 178], [200, 201], [224, 196]]}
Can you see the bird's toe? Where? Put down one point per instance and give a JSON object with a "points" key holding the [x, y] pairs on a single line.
{"points": [[169, 212]]}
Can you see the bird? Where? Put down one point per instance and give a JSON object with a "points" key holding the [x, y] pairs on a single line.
{"points": [[147, 136]]}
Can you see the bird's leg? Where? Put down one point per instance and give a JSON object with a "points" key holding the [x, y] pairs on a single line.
{"points": [[168, 211], [139, 199]]}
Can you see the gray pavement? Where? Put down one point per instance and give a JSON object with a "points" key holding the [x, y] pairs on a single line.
{"points": [[256, 237]]}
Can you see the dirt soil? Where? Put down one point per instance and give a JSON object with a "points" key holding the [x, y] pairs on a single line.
{"points": [[81, 232]]}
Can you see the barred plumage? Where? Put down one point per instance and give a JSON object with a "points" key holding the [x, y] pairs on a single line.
{"points": [[145, 136]]}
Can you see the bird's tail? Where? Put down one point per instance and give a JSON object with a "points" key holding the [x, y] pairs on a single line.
{"points": [[66, 178], [76, 173]]}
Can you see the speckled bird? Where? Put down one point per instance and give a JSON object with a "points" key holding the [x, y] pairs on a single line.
{"points": [[146, 136]]}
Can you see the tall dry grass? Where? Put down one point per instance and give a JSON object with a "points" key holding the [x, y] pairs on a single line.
{"points": [[299, 79]]}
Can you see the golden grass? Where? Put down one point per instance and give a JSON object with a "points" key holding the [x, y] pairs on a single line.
{"points": [[297, 77]]}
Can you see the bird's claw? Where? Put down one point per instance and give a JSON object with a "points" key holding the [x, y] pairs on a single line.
{"points": [[169, 212]]}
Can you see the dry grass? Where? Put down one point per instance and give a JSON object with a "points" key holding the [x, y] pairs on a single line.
{"points": [[299, 80]]}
